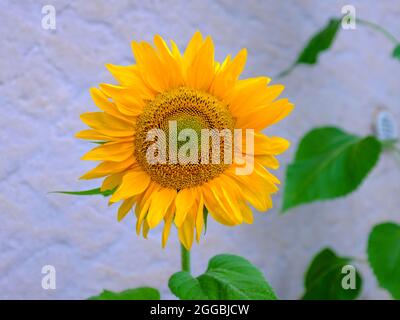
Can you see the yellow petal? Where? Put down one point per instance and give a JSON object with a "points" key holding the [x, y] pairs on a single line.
{"points": [[235, 68], [265, 116], [200, 73], [186, 232], [175, 51], [132, 96], [268, 161], [131, 110], [125, 207], [93, 135], [192, 49], [145, 229], [238, 200], [171, 64], [143, 204], [134, 182], [106, 105], [111, 182], [199, 216], [265, 174], [111, 151], [160, 203], [264, 145], [255, 188], [108, 124], [183, 202], [254, 96], [126, 75], [226, 194], [228, 74], [215, 209], [108, 167], [150, 66], [246, 93], [169, 217], [246, 212]]}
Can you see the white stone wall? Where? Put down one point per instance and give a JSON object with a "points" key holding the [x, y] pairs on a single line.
{"points": [[44, 81]]}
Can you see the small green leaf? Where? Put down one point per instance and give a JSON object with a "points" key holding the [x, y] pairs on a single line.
{"points": [[319, 42], [323, 280], [90, 192], [384, 256], [143, 293], [396, 52], [228, 277], [329, 163]]}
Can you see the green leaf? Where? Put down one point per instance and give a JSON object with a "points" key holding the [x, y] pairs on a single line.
{"points": [[228, 277], [384, 256], [319, 42], [329, 163], [396, 52], [90, 192], [185, 287], [323, 280], [143, 293]]}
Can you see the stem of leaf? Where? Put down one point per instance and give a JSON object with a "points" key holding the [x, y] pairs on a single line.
{"points": [[185, 259], [359, 260], [286, 71], [378, 28], [396, 153], [392, 147]]}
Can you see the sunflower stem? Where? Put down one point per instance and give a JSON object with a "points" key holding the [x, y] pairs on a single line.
{"points": [[185, 259]]}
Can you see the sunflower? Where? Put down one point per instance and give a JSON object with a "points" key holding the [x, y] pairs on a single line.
{"points": [[196, 92]]}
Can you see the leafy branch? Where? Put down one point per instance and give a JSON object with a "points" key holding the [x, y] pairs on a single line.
{"points": [[323, 39]]}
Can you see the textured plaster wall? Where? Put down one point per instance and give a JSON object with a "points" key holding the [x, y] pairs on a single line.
{"points": [[44, 81]]}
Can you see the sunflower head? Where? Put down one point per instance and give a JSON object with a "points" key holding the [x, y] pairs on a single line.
{"points": [[164, 131]]}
